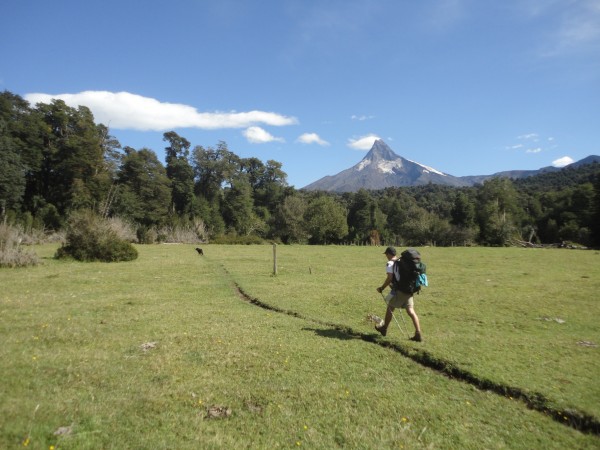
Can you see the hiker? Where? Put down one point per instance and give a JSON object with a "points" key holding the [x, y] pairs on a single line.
{"points": [[397, 299]]}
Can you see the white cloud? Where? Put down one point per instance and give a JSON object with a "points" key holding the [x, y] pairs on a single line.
{"points": [[562, 162], [311, 138], [361, 118], [123, 110], [529, 137], [256, 135], [533, 150], [363, 143]]}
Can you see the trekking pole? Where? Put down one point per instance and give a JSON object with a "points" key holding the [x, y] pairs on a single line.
{"points": [[394, 316]]}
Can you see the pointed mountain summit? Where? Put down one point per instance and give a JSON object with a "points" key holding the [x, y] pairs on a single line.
{"points": [[382, 168]]}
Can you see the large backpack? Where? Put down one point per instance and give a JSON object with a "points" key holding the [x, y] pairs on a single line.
{"points": [[409, 272]]}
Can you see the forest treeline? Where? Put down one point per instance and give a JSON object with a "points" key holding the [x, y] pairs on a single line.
{"points": [[55, 160]]}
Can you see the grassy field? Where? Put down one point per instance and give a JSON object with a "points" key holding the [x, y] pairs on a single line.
{"points": [[164, 352]]}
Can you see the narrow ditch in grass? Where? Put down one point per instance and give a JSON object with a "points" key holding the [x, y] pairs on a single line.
{"points": [[536, 401]]}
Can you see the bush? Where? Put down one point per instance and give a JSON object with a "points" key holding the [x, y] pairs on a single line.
{"points": [[12, 253], [92, 238], [180, 234], [123, 229]]}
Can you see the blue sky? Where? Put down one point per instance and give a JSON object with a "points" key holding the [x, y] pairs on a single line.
{"points": [[468, 87]]}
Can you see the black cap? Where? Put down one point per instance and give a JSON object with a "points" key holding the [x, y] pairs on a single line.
{"points": [[390, 251]]}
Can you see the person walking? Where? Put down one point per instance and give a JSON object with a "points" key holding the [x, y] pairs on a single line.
{"points": [[396, 298]]}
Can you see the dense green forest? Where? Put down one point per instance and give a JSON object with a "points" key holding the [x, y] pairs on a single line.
{"points": [[55, 160]]}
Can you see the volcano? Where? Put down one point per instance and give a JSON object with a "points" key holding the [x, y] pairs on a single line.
{"points": [[382, 168]]}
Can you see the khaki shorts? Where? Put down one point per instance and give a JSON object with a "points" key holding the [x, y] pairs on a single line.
{"points": [[399, 300]]}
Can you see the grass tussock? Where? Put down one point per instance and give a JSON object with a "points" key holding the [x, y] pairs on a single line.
{"points": [[173, 234], [12, 250]]}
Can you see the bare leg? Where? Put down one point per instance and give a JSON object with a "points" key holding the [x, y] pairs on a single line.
{"points": [[415, 319], [388, 316], [386, 321]]}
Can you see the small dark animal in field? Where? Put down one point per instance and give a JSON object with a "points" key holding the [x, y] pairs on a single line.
{"points": [[199, 250]]}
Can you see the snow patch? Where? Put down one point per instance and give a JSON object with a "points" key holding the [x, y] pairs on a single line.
{"points": [[389, 166], [429, 169], [361, 165]]}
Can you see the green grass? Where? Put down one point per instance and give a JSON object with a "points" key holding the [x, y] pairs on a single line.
{"points": [[72, 351], [488, 311]]}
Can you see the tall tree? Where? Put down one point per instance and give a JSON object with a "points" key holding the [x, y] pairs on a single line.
{"points": [[289, 223], [144, 189], [498, 212], [270, 189], [595, 228], [463, 211], [254, 170], [238, 210], [180, 172], [214, 168], [12, 177], [325, 221], [365, 219], [72, 151], [21, 131]]}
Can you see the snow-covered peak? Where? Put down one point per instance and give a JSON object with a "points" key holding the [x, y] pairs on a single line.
{"points": [[382, 168], [382, 165]]}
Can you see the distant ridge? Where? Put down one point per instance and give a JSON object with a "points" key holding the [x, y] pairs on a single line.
{"points": [[382, 168]]}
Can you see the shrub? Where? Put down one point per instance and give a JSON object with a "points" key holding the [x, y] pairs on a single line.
{"points": [[180, 234], [12, 253], [146, 235], [92, 238], [177, 233], [122, 228]]}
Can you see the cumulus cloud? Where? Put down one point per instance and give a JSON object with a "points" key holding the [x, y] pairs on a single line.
{"points": [[311, 138], [256, 135], [123, 110], [533, 150], [562, 162], [363, 143]]}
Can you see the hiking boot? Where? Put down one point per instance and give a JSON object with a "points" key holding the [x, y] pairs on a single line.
{"points": [[417, 338], [382, 330]]}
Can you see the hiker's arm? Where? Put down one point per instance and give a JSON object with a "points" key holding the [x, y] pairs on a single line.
{"points": [[386, 283]]}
